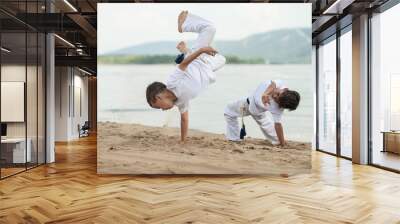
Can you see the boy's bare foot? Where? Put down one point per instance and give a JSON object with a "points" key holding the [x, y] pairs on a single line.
{"points": [[209, 50], [181, 19], [284, 175], [182, 47]]}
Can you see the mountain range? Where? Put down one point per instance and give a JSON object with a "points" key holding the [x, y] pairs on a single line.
{"points": [[283, 46]]}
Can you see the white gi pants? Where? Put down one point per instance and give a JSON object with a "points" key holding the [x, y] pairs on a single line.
{"points": [[235, 110], [206, 31]]}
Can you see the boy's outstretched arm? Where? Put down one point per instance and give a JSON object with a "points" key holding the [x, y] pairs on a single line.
{"points": [[279, 133], [184, 125], [208, 50]]}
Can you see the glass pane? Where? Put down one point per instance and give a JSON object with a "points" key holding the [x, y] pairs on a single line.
{"points": [[314, 67], [31, 86], [346, 94], [327, 96], [13, 86], [41, 98], [386, 89], [31, 97]]}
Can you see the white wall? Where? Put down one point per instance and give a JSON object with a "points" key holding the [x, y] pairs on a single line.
{"points": [[79, 117], [70, 83], [62, 81], [14, 73]]}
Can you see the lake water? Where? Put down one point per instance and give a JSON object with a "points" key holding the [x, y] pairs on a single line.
{"points": [[122, 98]]}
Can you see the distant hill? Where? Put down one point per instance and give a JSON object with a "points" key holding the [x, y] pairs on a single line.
{"points": [[284, 46]]}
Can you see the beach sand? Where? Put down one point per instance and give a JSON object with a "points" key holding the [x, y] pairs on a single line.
{"points": [[138, 149]]}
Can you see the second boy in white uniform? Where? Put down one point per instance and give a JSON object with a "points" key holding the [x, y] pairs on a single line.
{"points": [[268, 100]]}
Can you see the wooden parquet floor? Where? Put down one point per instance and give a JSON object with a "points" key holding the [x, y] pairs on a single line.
{"points": [[70, 191]]}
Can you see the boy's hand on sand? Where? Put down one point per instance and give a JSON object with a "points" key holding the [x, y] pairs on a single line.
{"points": [[281, 145], [209, 50], [182, 141]]}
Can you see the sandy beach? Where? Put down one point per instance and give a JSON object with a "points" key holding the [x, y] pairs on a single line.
{"points": [[138, 149]]}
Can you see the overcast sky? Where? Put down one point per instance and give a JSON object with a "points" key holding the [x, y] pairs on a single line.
{"points": [[123, 24]]}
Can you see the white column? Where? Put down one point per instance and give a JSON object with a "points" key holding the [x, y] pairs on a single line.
{"points": [[50, 99], [50, 92], [314, 74], [360, 90]]}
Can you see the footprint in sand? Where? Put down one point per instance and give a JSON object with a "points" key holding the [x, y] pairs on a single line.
{"points": [[238, 151]]}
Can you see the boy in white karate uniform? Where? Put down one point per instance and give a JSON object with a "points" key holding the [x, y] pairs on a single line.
{"points": [[192, 75], [271, 96]]}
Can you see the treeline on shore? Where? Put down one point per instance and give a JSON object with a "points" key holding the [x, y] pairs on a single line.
{"points": [[166, 59]]}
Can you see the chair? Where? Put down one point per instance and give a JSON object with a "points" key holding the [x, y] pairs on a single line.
{"points": [[84, 130]]}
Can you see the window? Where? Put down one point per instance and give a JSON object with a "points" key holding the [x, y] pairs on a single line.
{"points": [[327, 96], [385, 89], [346, 93]]}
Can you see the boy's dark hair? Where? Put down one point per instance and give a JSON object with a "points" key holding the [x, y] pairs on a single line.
{"points": [[153, 90], [289, 99]]}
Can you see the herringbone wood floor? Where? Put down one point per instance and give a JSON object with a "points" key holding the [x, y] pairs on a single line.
{"points": [[70, 191]]}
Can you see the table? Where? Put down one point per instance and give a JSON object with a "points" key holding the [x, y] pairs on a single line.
{"points": [[391, 141], [16, 147]]}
